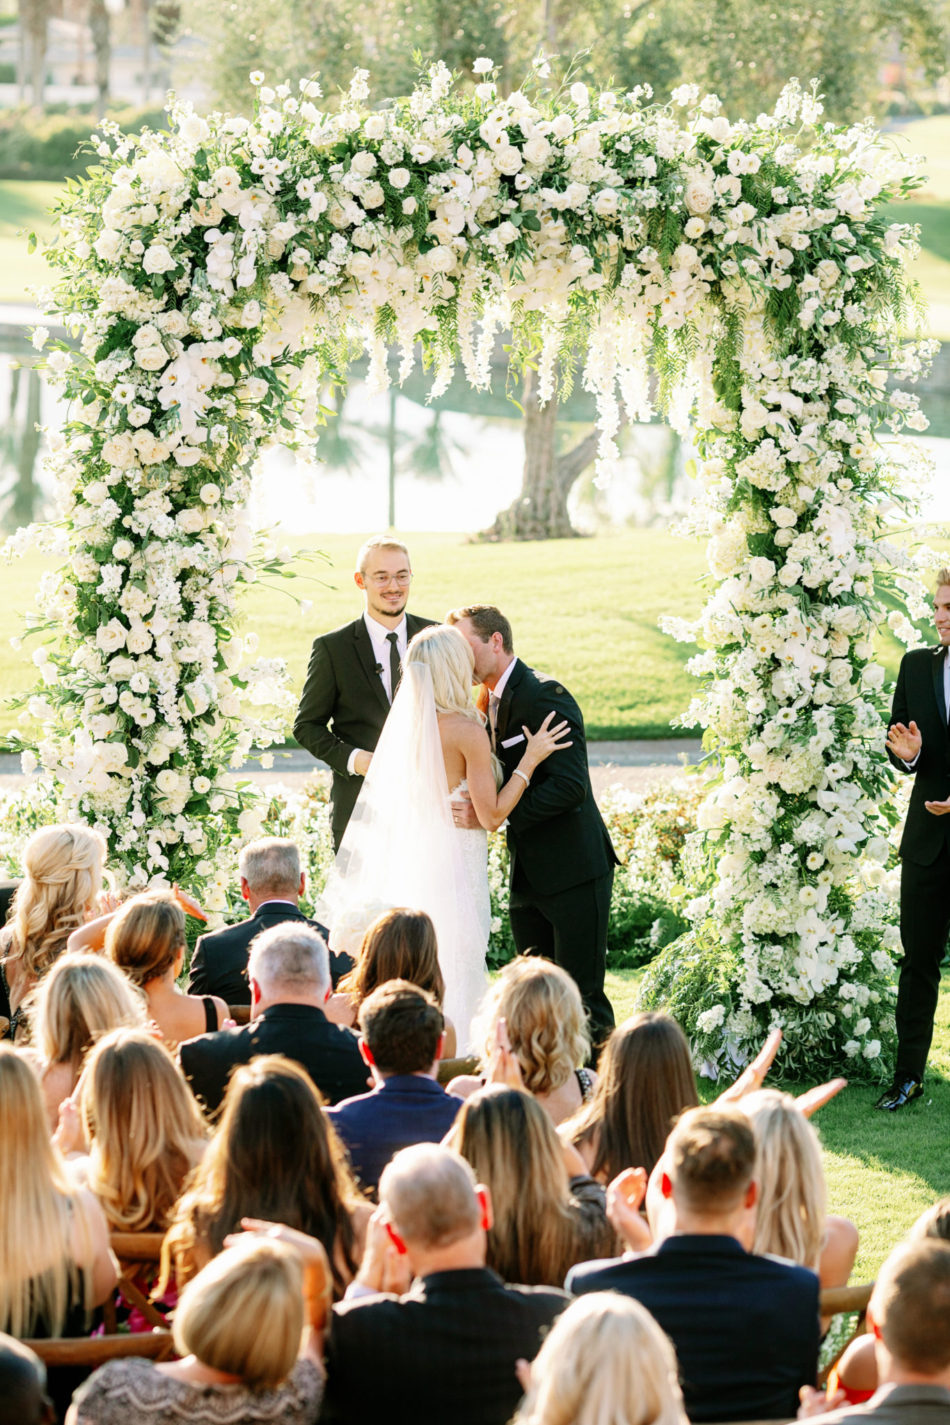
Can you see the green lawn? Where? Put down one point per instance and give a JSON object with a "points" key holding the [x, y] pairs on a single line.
{"points": [[24, 208], [882, 1169], [586, 608]]}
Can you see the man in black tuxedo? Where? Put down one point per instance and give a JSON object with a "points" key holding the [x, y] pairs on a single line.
{"points": [[271, 883], [918, 742], [445, 1350], [290, 982], [354, 672], [562, 860]]}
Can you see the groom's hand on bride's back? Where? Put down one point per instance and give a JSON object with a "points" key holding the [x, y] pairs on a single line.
{"points": [[463, 814]]}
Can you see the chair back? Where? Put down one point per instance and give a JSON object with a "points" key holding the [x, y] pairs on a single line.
{"points": [[841, 1301], [132, 1251]]}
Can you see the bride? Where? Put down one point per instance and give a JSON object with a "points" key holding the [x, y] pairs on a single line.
{"points": [[401, 846]]}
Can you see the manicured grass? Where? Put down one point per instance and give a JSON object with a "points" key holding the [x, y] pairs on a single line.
{"points": [[24, 209], [586, 609], [882, 1169]]}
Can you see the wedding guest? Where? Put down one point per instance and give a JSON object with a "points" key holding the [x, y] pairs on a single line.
{"points": [[400, 944], [341, 713], [644, 1082], [143, 1129], [909, 1317], [446, 1350], [23, 1397], [745, 1328], [271, 884], [146, 939], [82, 998], [401, 1039], [855, 1379], [791, 1219], [290, 981], [62, 876], [274, 1156], [535, 1008], [248, 1351], [604, 1362], [547, 1213]]}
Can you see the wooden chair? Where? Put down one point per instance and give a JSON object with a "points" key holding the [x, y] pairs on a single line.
{"points": [[92, 1351], [451, 1068], [840, 1301], [132, 1251], [240, 1013]]}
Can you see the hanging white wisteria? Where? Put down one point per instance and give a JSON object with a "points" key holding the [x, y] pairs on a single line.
{"points": [[217, 272]]}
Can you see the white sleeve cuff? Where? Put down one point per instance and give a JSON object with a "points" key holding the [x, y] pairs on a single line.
{"points": [[911, 765], [356, 1290], [351, 762]]}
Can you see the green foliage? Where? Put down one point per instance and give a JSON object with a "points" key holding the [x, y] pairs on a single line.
{"points": [[55, 146]]}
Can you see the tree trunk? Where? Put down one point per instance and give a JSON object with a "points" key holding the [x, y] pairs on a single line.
{"points": [[36, 15], [540, 511], [100, 25]]}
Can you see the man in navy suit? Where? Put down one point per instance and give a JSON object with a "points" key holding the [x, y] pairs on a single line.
{"points": [[354, 672], [745, 1328], [402, 1032], [918, 742], [271, 883]]}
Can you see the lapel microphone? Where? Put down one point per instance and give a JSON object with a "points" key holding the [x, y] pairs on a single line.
{"points": [[378, 668]]}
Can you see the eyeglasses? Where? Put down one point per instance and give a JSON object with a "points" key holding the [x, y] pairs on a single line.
{"points": [[379, 581]]}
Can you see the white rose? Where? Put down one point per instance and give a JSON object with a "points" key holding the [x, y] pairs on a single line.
{"points": [[375, 126], [605, 203], [111, 636], [158, 259], [251, 314], [441, 259], [363, 163], [399, 177], [698, 196], [482, 65], [508, 160], [580, 95], [372, 196], [537, 150], [409, 206], [108, 245], [507, 233]]}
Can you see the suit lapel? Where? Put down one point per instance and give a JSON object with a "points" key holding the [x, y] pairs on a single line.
{"points": [[365, 656], [937, 672], [504, 707]]}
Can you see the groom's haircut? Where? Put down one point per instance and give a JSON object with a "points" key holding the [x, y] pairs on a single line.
{"points": [[402, 1026], [378, 541], [485, 620], [271, 866], [942, 577], [292, 958]]}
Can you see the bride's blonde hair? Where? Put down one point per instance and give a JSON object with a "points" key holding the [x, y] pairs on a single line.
{"points": [[451, 663]]}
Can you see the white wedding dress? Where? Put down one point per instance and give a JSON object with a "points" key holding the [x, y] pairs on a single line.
{"points": [[402, 848]]}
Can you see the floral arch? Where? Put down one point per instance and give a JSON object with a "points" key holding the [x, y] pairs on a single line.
{"points": [[214, 273]]}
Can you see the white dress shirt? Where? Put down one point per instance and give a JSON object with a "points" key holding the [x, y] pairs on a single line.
{"points": [[379, 638]]}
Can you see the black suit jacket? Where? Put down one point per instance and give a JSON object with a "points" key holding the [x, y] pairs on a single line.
{"points": [[918, 697], [556, 835], [745, 1328], [219, 960], [444, 1352], [329, 1053], [344, 706]]}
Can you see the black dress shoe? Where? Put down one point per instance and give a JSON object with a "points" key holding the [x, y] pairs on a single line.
{"points": [[901, 1092]]}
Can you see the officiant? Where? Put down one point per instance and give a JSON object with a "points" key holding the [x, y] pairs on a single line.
{"points": [[354, 672]]}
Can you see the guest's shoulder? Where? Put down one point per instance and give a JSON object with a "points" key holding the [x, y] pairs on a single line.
{"points": [[354, 1107], [131, 1382], [213, 939], [784, 1270], [222, 1042], [602, 1274]]}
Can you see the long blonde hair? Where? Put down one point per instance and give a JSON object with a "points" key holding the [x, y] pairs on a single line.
{"points": [[790, 1220], [82, 998], [39, 1278], [605, 1361], [451, 664], [547, 1027], [62, 868], [144, 1126], [512, 1147]]}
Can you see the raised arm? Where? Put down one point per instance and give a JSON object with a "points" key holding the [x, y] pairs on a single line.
{"points": [[903, 736], [493, 806]]}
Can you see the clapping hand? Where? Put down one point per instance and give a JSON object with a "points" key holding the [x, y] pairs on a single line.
{"points": [[188, 904], [904, 742], [938, 808], [625, 1196], [752, 1077], [69, 1136], [503, 1066], [384, 1267]]}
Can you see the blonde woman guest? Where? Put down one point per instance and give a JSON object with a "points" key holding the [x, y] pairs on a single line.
{"points": [[532, 1031], [250, 1351], [547, 1212], [82, 998], [146, 939], [62, 877], [605, 1361], [399, 945], [143, 1128], [792, 1220], [55, 1263], [274, 1156]]}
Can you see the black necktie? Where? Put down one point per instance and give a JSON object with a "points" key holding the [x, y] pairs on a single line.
{"points": [[395, 667]]}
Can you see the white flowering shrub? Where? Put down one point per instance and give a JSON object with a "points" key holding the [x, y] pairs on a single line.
{"points": [[214, 273]]}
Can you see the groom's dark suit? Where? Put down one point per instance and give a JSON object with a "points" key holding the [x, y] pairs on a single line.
{"points": [[343, 707], [562, 860], [925, 855]]}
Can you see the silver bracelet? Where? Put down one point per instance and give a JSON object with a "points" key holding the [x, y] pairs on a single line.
{"points": [[523, 775]]}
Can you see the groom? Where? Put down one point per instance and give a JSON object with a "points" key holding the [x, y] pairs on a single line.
{"points": [[562, 860], [354, 672]]}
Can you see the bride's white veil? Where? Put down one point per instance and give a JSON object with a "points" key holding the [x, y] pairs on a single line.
{"points": [[401, 846]]}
